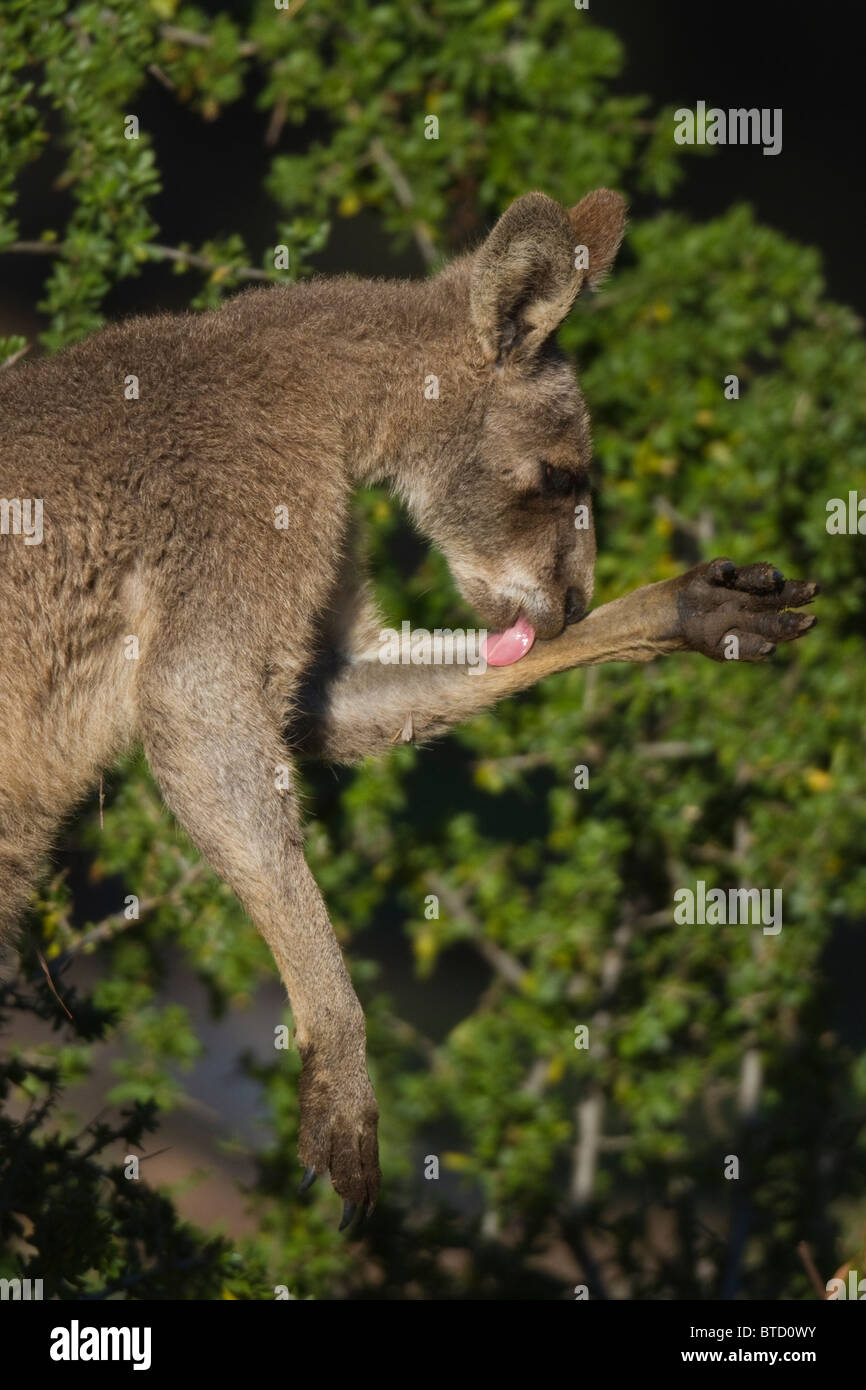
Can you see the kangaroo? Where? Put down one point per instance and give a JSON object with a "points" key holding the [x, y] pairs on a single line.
{"points": [[256, 643]]}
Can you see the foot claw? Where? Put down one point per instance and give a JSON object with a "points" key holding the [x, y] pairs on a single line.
{"points": [[307, 1180], [338, 1132], [349, 1210]]}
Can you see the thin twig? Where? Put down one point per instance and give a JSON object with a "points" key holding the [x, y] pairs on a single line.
{"points": [[162, 77], [809, 1264], [674, 748], [506, 966], [156, 1153], [701, 529], [173, 253], [15, 356], [192, 38], [111, 926], [153, 249], [405, 197], [589, 1113], [276, 123], [35, 248], [588, 1116], [51, 985]]}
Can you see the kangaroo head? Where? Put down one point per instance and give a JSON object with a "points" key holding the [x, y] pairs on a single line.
{"points": [[512, 509]]}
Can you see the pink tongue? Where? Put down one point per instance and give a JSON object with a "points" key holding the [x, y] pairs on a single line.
{"points": [[504, 648]]}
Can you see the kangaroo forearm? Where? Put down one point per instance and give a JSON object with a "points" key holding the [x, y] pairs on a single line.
{"points": [[724, 612], [370, 706]]}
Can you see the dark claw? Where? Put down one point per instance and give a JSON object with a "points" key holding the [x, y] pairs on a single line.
{"points": [[349, 1210], [307, 1180]]}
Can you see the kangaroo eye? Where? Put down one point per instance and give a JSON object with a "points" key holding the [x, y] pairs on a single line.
{"points": [[558, 481]]}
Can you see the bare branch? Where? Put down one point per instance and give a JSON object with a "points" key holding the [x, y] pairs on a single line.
{"points": [[809, 1264], [172, 253], [674, 748], [589, 1116], [276, 123], [500, 961], [155, 251], [162, 77], [52, 986], [35, 248], [111, 927], [405, 197], [702, 529], [14, 358], [590, 1140], [191, 38]]}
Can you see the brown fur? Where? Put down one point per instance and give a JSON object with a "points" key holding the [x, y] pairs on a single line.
{"points": [[257, 642]]}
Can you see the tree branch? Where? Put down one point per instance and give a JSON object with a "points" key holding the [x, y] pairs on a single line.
{"points": [[155, 251], [112, 926], [192, 38], [499, 960], [405, 197]]}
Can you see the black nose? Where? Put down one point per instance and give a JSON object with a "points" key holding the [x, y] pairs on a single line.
{"points": [[574, 606]]}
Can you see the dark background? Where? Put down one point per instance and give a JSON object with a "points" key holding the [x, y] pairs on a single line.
{"points": [[805, 58]]}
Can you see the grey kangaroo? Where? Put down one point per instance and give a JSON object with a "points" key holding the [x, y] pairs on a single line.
{"points": [[257, 643]]}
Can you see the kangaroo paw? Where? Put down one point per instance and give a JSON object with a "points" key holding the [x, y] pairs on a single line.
{"points": [[751, 603]]}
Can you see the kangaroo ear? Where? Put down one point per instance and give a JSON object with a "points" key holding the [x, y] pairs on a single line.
{"points": [[598, 222], [529, 271], [524, 279]]}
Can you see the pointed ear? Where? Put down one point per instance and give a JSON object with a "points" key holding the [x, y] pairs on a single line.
{"points": [[528, 274], [524, 280], [598, 222]]}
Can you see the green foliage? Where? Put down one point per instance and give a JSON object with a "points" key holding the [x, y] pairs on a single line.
{"points": [[565, 897], [74, 1219]]}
